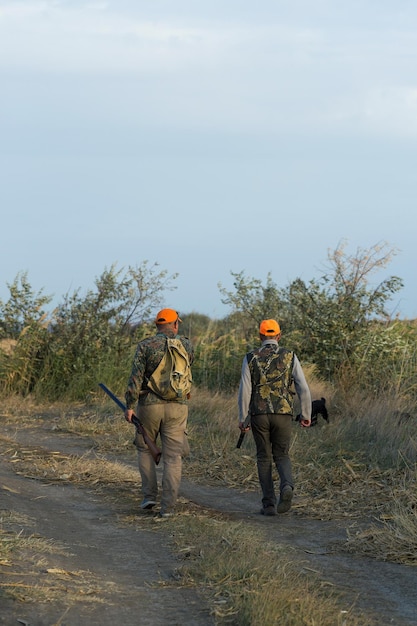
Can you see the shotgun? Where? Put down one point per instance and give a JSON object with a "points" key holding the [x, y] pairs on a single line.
{"points": [[153, 448], [246, 423]]}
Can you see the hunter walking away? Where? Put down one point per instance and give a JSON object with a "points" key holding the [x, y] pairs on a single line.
{"points": [[266, 407], [159, 389]]}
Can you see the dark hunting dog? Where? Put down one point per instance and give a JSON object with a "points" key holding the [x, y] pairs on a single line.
{"points": [[318, 407]]}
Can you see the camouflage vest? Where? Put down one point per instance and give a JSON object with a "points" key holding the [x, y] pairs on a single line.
{"points": [[271, 373]]}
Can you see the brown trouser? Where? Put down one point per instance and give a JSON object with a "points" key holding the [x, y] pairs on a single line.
{"points": [[169, 420]]}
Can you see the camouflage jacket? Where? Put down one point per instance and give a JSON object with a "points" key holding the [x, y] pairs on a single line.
{"points": [[149, 353]]}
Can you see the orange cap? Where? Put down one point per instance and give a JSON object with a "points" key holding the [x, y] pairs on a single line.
{"points": [[166, 316], [269, 327]]}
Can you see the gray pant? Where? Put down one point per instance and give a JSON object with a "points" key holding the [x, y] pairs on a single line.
{"points": [[272, 434], [169, 420]]}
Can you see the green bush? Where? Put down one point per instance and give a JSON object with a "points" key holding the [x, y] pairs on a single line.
{"points": [[338, 324]]}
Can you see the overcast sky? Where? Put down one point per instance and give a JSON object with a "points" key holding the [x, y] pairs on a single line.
{"points": [[209, 137]]}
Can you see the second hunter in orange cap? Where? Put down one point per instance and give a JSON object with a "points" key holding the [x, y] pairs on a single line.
{"points": [[269, 328]]}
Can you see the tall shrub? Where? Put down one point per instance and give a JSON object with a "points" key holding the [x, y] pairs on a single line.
{"points": [[87, 337], [328, 320], [23, 334]]}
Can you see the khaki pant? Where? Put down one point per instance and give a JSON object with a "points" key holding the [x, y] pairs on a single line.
{"points": [[169, 420]]}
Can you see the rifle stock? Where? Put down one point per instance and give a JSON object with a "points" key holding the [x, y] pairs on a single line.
{"points": [[153, 448], [243, 433]]}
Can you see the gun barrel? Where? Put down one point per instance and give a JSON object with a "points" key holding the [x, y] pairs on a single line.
{"points": [[112, 396], [153, 448]]}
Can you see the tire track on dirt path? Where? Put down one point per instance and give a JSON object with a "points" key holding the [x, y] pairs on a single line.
{"points": [[127, 565], [384, 589], [124, 561]]}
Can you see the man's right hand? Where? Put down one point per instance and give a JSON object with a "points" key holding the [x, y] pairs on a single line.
{"points": [[129, 415]]}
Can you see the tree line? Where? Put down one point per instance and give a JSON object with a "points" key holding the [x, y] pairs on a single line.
{"points": [[338, 324]]}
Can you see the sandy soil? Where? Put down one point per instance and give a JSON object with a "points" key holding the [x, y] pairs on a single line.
{"points": [[131, 565]]}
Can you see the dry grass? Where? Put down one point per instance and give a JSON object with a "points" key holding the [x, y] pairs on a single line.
{"points": [[394, 537], [27, 570], [7, 346], [25, 558], [247, 580], [361, 468], [252, 581], [33, 462], [344, 470]]}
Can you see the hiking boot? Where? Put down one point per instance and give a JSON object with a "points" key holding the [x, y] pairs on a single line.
{"points": [[285, 500], [268, 510], [147, 503]]}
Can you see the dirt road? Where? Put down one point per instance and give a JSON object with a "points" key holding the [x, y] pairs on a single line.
{"points": [[127, 567]]}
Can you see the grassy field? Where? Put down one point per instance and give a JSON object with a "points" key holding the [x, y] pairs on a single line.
{"points": [[360, 466]]}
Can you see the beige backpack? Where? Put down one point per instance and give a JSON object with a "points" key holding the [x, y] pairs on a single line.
{"points": [[172, 379]]}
